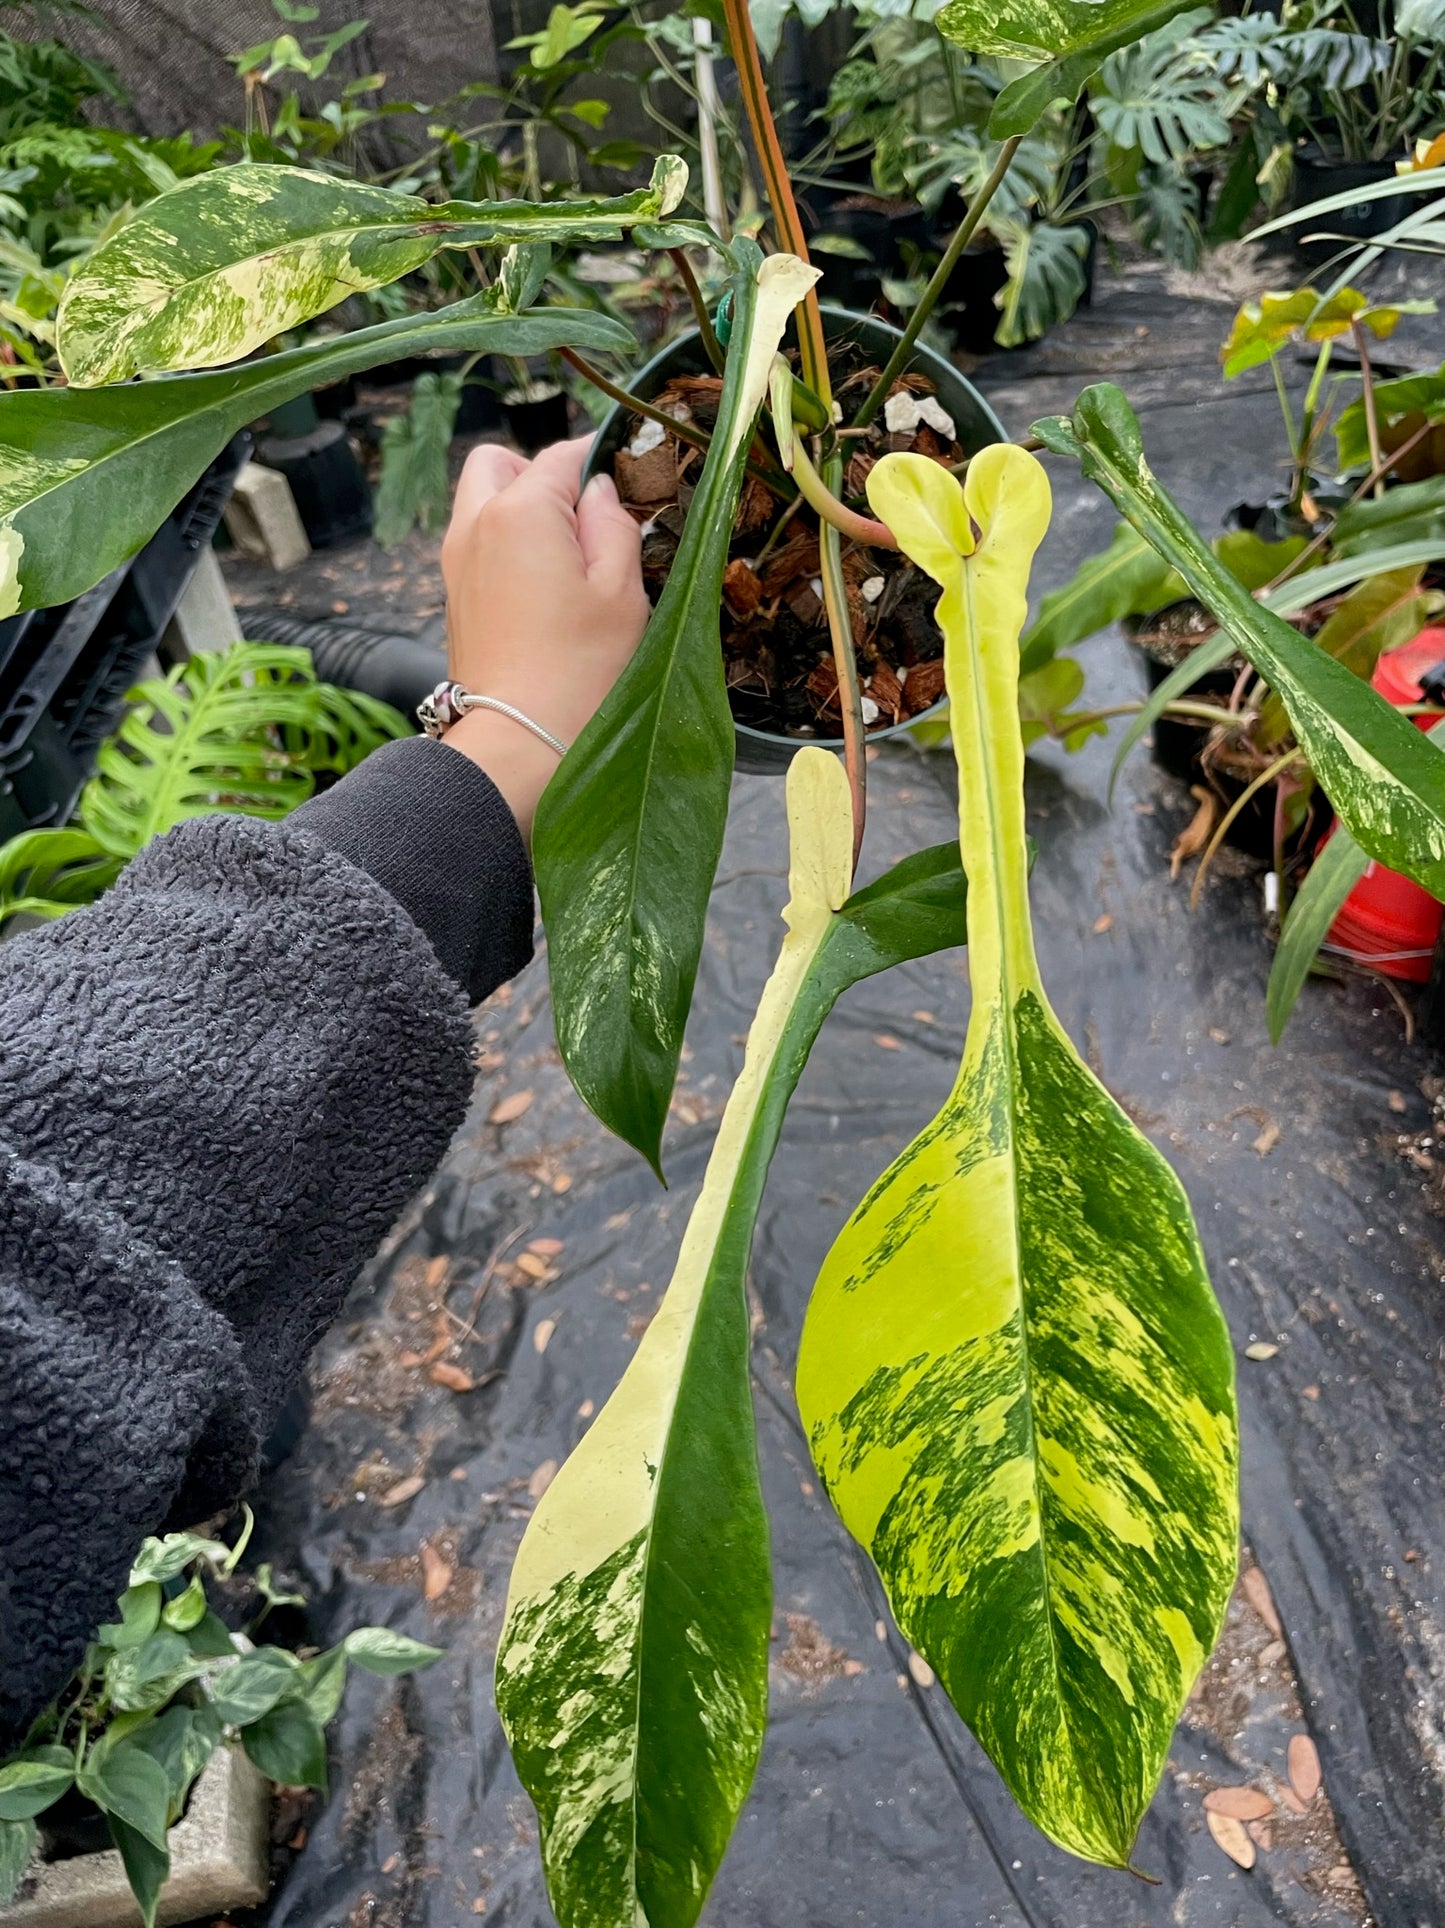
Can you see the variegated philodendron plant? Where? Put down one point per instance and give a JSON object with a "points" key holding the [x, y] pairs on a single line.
{"points": [[1015, 1379]]}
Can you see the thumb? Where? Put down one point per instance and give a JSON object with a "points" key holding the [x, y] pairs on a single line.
{"points": [[610, 538]]}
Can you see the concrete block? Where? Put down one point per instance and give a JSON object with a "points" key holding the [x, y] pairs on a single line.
{"points": [[262, 518], [219, 1860], [204, 618]]}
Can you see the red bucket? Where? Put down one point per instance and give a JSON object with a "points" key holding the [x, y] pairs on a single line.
{"points": [[1387, 922]]}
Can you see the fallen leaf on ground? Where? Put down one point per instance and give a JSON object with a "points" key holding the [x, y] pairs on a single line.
{"points": [[1291, 1800], [436, 1271], [1303, 1763], [404, 1490], [542, 1478], [507, 1110], [586, 1409], [562, 1183], [1233, 1838], [1396, 1102], [1261, 1349], [885, 1042], [533, 1267], [1256, 1591], [542, 1335], [1244, 1803], [546, 1248], [454, 1378], [1102, 924], [920, 1670], [1197, 832], [1266, 1141], [924, 1017], [1261, 1832], [1219, 1036], [437, 1573]]}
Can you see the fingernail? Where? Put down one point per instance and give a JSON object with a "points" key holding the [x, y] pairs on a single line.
{"points": [[603, 485]]}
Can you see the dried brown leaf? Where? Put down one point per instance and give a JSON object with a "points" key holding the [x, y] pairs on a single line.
{"points": [[1197, 832], [1233, 1837], [404, 1490], [1255, 1589], [437, 1573], [454, 1378], [1244, 1803], [507, 1110], [542, 1334], [542, 1478], [1303, 1765]]}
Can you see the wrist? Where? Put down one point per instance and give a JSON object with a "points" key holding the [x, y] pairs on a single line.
{"points": [[518, 763]]}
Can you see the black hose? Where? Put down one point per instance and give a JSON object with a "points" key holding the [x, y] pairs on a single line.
{"points": [[400, 670]]}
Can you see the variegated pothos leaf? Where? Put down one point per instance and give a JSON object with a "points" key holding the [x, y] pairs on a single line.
{"points": [[1015, 1379], [632, 1669], [222, 264]]}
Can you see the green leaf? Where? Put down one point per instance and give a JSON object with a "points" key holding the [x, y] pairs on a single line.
{"points": [[1386, 783], [45, 873], [1429, 181], [17, 1844], [1400, 406], [138, 1678], [415, 487], [210, 1638], [187, 1609], [323, 1682], [168, 1558], [89, 477], [127, 1783], [1070, 37], [288, 1746], [147, 1866], [180, 1741], [629, 830], [381, 1651], [140, 1615], [28, 1787], [1332, 876], [1251, 560], [1128, 579], [249, 1690], [632, 1667], [1413, 512], [1261, 328], [1014, 1377], [1381, 613], [1046, 279], [227, 261]]}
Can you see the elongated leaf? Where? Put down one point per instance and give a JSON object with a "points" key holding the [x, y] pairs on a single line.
{"points": [[1319, 900], [1429, 181], [1015, 1379], [381, 1651], [146, 1865], [1331, 878], [632, 1668], [1412, 513], [1386, 783], [414, 487], [86, 477], [227, 261], [48, 872], [1128, 579], [1071, 38], [1378, 614], [629, 830]]}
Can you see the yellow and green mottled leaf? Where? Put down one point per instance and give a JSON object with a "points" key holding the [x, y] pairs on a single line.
{"points": [[1071, 39], [1386, 782], [1015, 1379], [632, 1669], [222, 264], [87, 475]]}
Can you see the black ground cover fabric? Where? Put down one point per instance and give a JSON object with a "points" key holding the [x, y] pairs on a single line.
{"points": [[872, 1804]]}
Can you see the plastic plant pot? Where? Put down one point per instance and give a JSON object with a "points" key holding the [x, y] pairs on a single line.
{"points": [[975, 424], [537, 417]]}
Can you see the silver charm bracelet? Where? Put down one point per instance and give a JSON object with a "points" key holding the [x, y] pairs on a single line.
{"points": [[449, 702]]}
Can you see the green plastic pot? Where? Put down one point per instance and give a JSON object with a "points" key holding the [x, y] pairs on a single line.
{"points": [[975, 423]]}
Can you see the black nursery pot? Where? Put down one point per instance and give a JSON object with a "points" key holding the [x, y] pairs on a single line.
{"points": [[1316, 175], [975, 423], [535, 425], [329, 484]]}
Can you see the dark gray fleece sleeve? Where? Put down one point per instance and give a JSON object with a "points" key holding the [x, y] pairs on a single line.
{"points": [[221, 1084]]}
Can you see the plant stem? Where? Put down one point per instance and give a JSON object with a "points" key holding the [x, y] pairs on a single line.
{"points": [[779, 187], [1288, 413], [1372, 425], [775, 533], [819, 496], [684, 431], [1030, 443], [1267, 775], [1318, 542], [845, 660], [705, 328], [1307, 422], [962, 235]]}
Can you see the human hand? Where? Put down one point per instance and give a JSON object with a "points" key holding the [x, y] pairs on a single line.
{"points": [[545, 606]]}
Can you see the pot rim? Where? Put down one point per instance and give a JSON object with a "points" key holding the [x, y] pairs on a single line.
{"points": [[922, 356]]}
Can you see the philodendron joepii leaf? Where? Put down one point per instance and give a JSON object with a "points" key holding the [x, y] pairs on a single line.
{"points": [[1015, 1379], [632, 1668], [87, 476], [217, 267], [1070, 38], [629, 830], [1386, 782]]}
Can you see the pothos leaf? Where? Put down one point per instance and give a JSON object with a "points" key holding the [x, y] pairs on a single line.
{"points": [[1385, 781], [1015, 1379], [224, 263], [17, 1844], [630, 828], [632, 1668]]}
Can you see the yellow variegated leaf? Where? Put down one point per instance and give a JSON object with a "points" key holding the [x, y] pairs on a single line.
{"points": [[1016, 1381]]}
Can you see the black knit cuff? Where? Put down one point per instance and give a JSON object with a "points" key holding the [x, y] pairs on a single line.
{"points": [[433, 830]]}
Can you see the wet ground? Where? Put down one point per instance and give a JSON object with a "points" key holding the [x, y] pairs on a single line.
{"points": [[506, 1304]]}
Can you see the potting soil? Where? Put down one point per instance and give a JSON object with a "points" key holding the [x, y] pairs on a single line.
{"points": [[507, 1303]]}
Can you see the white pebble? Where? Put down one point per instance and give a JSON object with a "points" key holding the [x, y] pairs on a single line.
{"points": [[873, 589], [871, 711], [649, 436]]}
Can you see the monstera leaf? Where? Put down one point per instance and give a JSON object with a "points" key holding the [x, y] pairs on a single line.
{"points": [[1015, 1379], [221, 265], [86, 476], [1386, 782], [1071, 38], [630, 828], [632, 1669]]}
